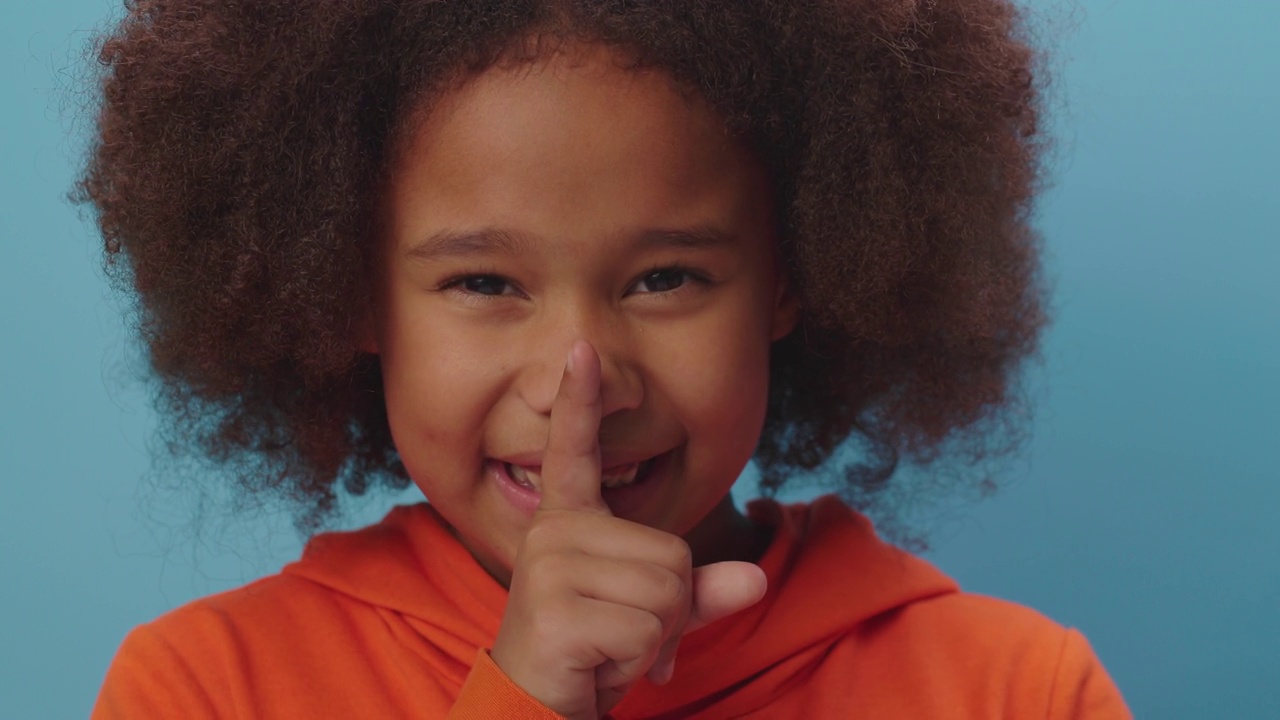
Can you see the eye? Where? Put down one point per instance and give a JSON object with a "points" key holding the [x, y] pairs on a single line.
{"points": [[489, 285], [663, 280]]}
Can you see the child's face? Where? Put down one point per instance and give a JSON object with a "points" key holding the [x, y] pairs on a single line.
{"points": [[565, 200]]}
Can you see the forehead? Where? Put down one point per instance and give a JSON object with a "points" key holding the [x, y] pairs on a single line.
{"points": [[574, 136]]}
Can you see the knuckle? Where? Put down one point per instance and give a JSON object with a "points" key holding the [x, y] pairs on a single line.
{"points": [[678, 553], [538, 535], [650, 632], [548, 573], [546, 534], [671, 589], [542, 568]]}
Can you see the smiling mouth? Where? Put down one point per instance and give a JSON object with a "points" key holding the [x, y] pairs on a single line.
{"points": [[615, 477]]}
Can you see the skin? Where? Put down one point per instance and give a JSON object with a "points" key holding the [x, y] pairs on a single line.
{"points": [[528, 314]]}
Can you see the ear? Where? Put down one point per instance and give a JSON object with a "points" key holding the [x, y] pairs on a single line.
{"points": [[786, 309]]}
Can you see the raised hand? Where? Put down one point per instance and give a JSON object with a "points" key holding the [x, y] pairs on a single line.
{"points": [[599, 602]]}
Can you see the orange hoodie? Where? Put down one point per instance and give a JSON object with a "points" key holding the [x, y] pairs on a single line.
{"points": [[391, 622]]}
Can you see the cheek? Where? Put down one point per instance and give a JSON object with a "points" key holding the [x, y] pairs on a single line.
{"points": [[720, 382], [437, 390]]}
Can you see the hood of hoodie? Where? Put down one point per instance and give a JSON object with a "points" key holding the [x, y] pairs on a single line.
{"points": [[828, 573]]}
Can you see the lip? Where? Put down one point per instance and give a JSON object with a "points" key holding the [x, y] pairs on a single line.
{"points": [[630, 501], [524, 499], [608, 462], [622, 501]]}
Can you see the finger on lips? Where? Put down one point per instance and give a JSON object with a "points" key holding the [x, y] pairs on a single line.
{"points": [[612, 597], [571, 464]]}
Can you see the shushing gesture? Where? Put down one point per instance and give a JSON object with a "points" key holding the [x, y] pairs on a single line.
{"points": [[599, 602]]}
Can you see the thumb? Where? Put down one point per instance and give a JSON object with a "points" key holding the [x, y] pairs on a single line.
{"points": [[571, 460], [722, 589]]}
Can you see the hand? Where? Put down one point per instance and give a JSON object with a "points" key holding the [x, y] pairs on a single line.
{"points": [[598, 602]]}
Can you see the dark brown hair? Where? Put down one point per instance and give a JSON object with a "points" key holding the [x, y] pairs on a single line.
{"points": [[240, 145]]}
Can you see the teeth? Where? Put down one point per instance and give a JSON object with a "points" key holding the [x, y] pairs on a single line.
{"points": [[614, 479], [524, 477], [618, 479]]}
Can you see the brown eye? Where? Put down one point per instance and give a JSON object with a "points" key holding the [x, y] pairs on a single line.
{"points": [[664, 280], [484, 285]]}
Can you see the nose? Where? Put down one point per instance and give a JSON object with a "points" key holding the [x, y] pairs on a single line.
{"points": [[621, 385]]}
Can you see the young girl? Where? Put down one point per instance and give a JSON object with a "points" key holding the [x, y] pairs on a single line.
{"points": [[567, 266]]}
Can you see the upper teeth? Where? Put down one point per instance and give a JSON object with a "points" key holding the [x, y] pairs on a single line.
{"points": [[616, 477], [620, 476], [525, 477]]}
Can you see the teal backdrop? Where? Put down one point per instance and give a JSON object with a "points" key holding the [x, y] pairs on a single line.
{"points": [[1144, 510]]}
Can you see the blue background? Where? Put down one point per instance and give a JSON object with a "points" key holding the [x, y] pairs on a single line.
{"points": [[1144, 510]]}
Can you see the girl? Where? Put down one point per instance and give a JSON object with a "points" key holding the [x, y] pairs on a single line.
{"points": [[567, 266]]}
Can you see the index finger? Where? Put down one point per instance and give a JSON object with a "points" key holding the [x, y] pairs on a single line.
{"points": [[571, 460]]}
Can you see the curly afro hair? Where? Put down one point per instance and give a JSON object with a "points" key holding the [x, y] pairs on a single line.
{"points": [[241, 143]]}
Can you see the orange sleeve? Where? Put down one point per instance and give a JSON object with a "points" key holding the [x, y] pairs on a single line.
{"points": [[488, 694], [1082, 689], [148, 679]]}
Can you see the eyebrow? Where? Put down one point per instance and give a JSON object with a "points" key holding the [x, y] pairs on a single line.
{"points": [[501, 241]]}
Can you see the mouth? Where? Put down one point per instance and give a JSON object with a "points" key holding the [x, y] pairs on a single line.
{"points": [[611, 478]]}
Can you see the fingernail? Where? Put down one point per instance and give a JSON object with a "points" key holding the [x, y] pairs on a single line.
{"points": [[568, 364]]}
